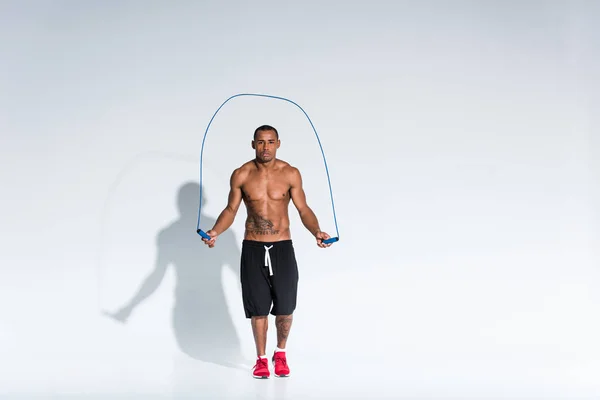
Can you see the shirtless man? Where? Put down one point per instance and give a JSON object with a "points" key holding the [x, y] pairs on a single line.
{"points": [[269, 273]]}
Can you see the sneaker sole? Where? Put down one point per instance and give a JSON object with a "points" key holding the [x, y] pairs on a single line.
{"points": [[260, 377]]}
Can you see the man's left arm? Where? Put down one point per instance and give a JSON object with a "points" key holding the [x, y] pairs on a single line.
{"points": [[308, 217]]}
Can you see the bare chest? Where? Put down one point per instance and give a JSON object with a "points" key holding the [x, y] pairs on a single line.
{"points": [[263, 187]]}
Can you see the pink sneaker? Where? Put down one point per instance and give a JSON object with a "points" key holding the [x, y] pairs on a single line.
{"points": [[280, 364], [261, 369]]}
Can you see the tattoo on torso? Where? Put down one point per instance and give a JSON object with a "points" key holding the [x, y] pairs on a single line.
{"points": [[260, 226]]}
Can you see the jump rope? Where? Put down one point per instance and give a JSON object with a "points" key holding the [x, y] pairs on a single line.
{"points": [[204, 234]]}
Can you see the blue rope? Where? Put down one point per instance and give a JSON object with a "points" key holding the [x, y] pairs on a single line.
{"points": [[314, 130]]}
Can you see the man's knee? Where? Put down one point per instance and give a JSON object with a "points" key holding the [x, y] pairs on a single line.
{"points": [[258, 318]]}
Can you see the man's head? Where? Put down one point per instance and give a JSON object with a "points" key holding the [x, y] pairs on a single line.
{"points": [[265, 143]]}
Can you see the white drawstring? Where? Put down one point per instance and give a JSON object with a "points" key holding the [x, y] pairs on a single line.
{"points": [[268, 259]]}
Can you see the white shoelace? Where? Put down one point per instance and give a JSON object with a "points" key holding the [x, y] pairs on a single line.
{"points": [[268, 259]]}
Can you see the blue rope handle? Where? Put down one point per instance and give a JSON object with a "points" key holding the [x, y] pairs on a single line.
{"points": [[200, 231]]}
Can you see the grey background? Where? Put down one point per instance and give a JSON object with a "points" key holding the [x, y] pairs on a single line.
{"points": [[462, 145]]}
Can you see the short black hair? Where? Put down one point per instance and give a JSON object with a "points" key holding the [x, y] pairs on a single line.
{"points": [[266, 128]]}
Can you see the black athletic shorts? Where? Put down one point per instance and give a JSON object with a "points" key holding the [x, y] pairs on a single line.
{"points": [[269, 276]]}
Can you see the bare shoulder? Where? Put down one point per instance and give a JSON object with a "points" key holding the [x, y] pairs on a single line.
{"points": [[239, 175], [247, 166], [286, 167], [292, 173]]}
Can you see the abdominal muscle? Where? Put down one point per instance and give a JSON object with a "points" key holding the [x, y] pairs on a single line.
{"points": [[266, 223]]}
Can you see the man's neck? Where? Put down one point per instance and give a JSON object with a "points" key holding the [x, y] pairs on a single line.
{"points": [[265, 165]]}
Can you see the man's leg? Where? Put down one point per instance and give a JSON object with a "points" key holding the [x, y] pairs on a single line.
{"points": [[259, 329], [256, 294], [283, 324], [279, 359], [285, 287]]}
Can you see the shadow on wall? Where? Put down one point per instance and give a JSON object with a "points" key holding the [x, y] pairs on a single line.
{"points": [[202, 324]]}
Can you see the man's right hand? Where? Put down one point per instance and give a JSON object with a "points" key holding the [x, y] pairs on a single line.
{"points": [[213, 237]]}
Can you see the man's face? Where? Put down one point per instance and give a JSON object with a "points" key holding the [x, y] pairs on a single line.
{"points": [[265, 145]]}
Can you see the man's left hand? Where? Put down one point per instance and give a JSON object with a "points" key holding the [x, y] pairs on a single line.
{"points": [[320, 237]]}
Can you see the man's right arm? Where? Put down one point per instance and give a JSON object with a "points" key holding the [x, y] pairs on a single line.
{"points": [[227, 216]]}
